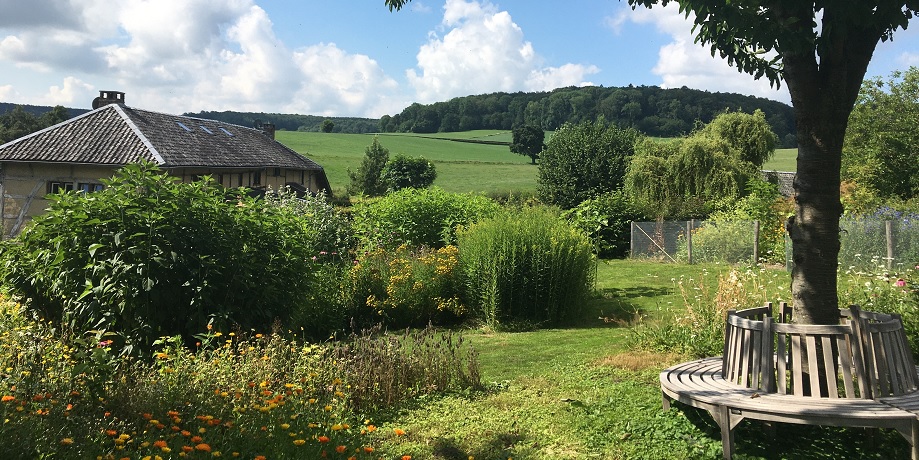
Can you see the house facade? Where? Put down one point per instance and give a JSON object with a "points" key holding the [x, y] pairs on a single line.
{"points": [[78, 153]]}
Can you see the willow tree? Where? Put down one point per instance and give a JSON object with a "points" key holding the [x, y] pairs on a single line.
{"points": [[821, 50]]}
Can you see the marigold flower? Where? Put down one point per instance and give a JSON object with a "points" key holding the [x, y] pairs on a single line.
{"points": [[406, 457], [399, 431], [187, 448], [111, 432], [285, 426], [368, 449], [160, 443], [341, 449], [196, 439], [66, 441], [260, 457], [299, 442], [7, 398], [203, 447], [323, 439]]}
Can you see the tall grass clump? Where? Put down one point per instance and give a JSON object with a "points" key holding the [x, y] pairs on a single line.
{"points": [[698, 331], [525, 268], [385, 370], [418, 217]]}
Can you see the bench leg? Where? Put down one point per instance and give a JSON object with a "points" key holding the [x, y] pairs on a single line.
{"points": [[666, 401], [722, 415], [915, 440]]}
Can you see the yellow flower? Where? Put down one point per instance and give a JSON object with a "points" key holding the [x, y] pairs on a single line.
{"points": [[299, 442], [66, 441]]}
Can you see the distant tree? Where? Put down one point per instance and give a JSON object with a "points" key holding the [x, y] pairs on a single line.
{"points": [[367, 180], [750, 134], [583, 161], [881, 151], [17, 123], [528, 140], [327, 126], [405, 172]]}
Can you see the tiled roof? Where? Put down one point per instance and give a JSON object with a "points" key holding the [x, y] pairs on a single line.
{"points": [[116, 135]]}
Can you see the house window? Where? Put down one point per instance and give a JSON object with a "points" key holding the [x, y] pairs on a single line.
{"points": [[57, 187], [87, 187], [240, 183], [257, 178], [277, 172], [220, 179]]}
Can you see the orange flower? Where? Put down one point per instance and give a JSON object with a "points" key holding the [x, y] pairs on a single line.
{"points": [[341, 449], [368, 449], [406, 457], [186, 433], [7, 398], [66, 441], [147, 416], [111, 432], [203, 447], [159, 444], [323, 439], [399, 431], [260, 457], [187, 448], [196, 439]]}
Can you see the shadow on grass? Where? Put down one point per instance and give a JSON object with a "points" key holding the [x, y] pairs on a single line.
{"points": [[614, 307], [496, 446], [791, 441]]}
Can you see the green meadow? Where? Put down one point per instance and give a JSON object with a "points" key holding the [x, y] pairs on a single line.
{"points": [[461, 166]]}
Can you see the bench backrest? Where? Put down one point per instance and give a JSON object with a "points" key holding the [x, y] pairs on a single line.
{"points": [[866, 356]]}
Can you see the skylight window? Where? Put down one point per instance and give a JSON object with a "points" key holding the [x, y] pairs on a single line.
{"points": [[186, 128], [226, 132], [203, 128]]}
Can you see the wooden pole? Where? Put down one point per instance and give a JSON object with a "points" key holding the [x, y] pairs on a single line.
{"points": [[689, 225], [755, 242], [888, 227], [632, 241]]}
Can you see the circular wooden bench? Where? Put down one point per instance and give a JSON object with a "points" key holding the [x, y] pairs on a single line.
{"points": [[859, 373]]}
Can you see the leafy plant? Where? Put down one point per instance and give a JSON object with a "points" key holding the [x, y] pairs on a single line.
{"points": [[403, 172], [418, 217], [368, 180], [607, 219], [149, 256]]}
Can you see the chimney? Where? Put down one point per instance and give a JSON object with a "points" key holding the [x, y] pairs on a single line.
{"points": [[108, 97], [268, 130]]}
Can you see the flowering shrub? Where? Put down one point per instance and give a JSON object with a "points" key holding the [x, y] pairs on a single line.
{"points": [[235, 396], [406, 287], [886, 292]]}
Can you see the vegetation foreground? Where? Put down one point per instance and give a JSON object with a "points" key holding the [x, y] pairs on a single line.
{"points": [[587, 391]]}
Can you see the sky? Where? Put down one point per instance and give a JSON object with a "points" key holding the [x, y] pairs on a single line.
{"points": [[355, 58]]}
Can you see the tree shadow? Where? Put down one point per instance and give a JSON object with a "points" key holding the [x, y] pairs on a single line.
{"points": [[497, 446], [615, 307]]}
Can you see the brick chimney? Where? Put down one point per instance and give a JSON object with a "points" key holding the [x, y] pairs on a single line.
{"points": [[108, 97], [268, 130]]}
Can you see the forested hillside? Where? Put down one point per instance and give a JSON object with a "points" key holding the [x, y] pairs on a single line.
{"points": [[288, 122], [652, 110]]}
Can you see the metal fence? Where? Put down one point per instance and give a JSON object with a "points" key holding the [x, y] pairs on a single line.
{"points": [[865, 243]]}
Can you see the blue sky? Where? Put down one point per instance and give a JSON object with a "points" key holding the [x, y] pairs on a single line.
{"points": [[353, 58]]}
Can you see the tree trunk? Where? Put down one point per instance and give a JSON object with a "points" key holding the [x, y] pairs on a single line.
{"points": [[823, 91]]}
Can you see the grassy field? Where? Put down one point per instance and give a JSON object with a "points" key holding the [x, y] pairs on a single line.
{"points": [[461, 166], [783, 160]]}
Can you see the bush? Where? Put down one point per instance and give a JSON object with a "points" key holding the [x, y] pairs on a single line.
{"points": [[418, 217], [149, 256], [878, 290], [404, 172], [367, 180], [583, 161], [526, 267], [406, 287], [607, 220]]}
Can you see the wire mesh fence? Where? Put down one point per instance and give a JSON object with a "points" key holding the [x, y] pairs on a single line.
{"points": [[865, 243]]}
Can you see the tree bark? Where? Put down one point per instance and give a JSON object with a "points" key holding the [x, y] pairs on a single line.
{"points": [[823, 90]]}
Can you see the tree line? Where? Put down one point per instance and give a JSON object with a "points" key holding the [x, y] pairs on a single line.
{"points": [[651, 110], [293, 122], [17, 120]]}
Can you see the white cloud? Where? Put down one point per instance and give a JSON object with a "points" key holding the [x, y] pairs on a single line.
{"points": [[682, 62], [484, 51], [7, 93], [187, 55], [907, 59], [72, 92]]}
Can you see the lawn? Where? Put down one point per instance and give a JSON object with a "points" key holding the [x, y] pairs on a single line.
{"points": [[783, 160]]}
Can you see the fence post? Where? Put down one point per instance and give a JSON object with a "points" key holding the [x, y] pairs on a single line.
{"points": [[632, 241], [888, 227], [755, 243], [689, 226]]}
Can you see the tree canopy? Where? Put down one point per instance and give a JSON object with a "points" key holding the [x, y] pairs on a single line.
{"points": [[528, 140], [881, 150], [368, 179]]}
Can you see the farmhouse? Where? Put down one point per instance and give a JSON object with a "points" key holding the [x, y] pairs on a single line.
{"points": [[78, 153]]}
